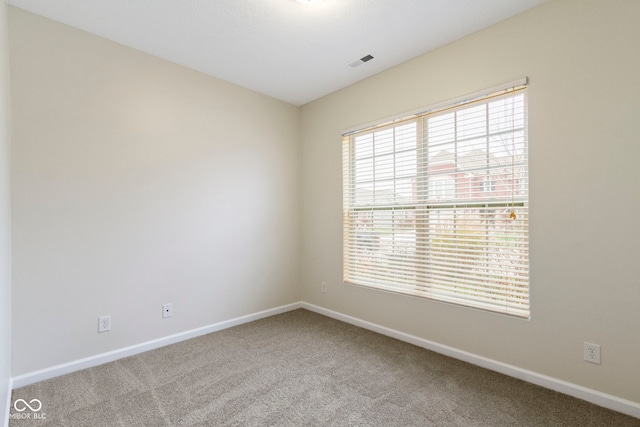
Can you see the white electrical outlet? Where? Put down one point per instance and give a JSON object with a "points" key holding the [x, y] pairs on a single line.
{"points": [[592, 353], [323, 287], [167, 310], [104, 323]]}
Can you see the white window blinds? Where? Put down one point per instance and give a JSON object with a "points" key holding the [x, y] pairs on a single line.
{"points": [[436, 205]]}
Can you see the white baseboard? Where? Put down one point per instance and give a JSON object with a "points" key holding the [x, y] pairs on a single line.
{"points": [[601, 399], [77, 365], [7, 406]]}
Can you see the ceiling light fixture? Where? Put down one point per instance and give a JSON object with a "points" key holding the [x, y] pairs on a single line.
{"points": [[308, 1]]}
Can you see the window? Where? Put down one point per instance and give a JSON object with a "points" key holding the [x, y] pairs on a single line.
{"points": [[489, 184], [436, 204]]}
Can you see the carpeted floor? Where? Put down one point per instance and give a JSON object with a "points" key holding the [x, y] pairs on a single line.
{"points": [[300, 369]]}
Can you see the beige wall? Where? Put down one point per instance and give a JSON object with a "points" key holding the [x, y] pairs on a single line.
{"points": [[582, 60], [5, 229], [137, 182]]}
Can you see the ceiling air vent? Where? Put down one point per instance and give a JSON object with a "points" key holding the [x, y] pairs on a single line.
{"points": [[359, 62]]}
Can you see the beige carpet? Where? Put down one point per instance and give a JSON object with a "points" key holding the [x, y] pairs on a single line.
{"points": [[300, 369]]}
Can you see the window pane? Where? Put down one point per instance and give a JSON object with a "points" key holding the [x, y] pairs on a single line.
{"points": [[406, 137], [405, 191], [364, 170], [383, 142], [406, 163], [472, 122], [441, 129], [363, 146]]}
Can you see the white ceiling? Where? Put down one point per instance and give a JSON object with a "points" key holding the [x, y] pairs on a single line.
{"points": [[290, 51]]}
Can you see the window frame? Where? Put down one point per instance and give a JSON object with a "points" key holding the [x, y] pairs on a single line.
{"points": [[423, 215]]}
